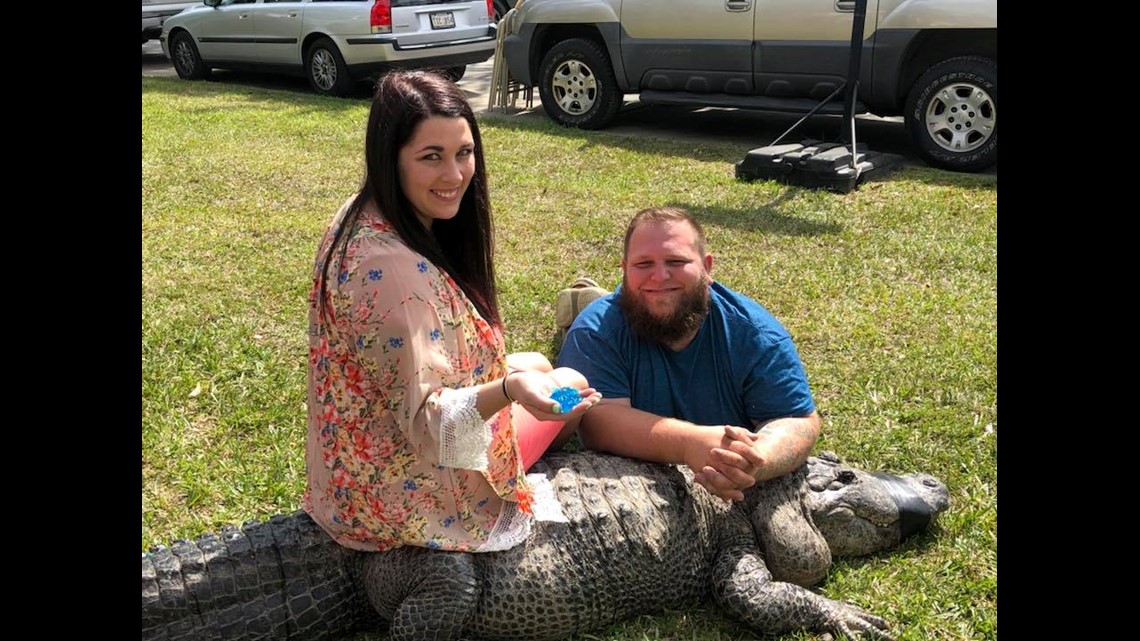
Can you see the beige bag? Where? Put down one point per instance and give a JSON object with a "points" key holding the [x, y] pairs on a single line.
{"points": [[573, 300]]}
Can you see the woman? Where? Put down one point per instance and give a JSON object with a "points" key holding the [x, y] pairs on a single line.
{"points": [[421, 427]]}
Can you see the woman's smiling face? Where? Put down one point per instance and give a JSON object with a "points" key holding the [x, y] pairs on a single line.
{"points": [[436, 166]]}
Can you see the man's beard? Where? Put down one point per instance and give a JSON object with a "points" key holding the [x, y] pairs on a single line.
{"points": [[683, 321]]}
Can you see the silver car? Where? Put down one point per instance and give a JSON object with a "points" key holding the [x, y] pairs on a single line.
{"points": [[154, 12], [333, 43]]}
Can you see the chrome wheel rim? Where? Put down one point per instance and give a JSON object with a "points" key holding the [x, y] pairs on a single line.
{"points": [[323, 68], [184, 57], [961, 117], [574, 87]]}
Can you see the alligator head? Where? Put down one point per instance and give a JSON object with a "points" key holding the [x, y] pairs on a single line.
{"points": [[864, 512]]}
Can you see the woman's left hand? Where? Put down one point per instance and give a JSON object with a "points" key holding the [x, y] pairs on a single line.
{"points": [[533, 390]]}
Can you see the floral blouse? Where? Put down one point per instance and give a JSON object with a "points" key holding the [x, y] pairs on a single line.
{"points": [[396, 452]]}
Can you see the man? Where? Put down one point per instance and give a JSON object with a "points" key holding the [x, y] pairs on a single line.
{"points": [[688, 368]]}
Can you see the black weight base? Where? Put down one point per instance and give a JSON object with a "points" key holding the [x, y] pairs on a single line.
{"points": [[816, 165]]}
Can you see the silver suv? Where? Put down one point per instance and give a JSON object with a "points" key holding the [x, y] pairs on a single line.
{"points": [[333, 43], [934, 62]]}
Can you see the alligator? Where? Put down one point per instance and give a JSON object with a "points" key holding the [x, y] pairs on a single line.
{"points": [[632, 538]]}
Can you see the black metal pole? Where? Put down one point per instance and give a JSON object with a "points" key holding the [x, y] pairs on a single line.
{"points": [[854, 61]]}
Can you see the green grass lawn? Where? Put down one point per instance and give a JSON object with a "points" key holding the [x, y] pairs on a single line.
{"points": [[890, 293]]}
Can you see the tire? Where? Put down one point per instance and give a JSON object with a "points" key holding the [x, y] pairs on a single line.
{"points": [[185, 58], [325, 69], [501, 7], [951, 114], [577, 85], [455, 73]]}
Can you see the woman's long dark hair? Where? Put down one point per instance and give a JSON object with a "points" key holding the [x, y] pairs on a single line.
{"points": [[462, 246]]}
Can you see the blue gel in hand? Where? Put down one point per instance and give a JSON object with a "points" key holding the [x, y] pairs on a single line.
{"points": [[567, 397]]}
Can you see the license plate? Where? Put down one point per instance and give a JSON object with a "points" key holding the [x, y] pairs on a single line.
{"points": [[442, 20]]}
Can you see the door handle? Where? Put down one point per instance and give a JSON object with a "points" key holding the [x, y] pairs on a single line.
{"points": [[737, 6], [243, 16], [292, 14], [845, 6]]}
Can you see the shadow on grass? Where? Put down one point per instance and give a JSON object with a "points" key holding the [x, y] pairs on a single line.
{"points": [[259, 89], [764, 218], [668, 131], [688, 141], [583, 139]]}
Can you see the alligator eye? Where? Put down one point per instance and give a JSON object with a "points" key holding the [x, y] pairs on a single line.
{"points": [[846, 476], [929, 482]]}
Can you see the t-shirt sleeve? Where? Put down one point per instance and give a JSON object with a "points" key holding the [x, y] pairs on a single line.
{"points": [[777, 385]]}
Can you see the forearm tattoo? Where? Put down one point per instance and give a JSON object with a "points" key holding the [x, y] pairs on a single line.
{"points": [[790, 442]]}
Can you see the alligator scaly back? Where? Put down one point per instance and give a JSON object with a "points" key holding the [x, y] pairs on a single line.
{"points": [[281, 579], [632, 538]]}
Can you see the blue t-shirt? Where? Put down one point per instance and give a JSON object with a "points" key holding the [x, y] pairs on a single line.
{"points": [[739, 368]]}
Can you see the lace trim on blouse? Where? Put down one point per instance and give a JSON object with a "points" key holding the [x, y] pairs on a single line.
{"points": [[513, 526], [545, 506], [464, 436], [511, 529]]}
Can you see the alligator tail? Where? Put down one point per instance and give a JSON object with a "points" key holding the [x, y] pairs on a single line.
{"points": [[283, 579]]}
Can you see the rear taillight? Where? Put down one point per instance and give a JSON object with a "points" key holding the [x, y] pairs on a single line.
{"points": [[381, 17], [490, 10]]}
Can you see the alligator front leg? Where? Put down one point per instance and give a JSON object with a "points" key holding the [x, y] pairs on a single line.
{"points": [[743, 586], [428, 595], [793, 547]]}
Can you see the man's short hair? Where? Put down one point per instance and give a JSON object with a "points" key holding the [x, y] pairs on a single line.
{"points": [[663, 215]]}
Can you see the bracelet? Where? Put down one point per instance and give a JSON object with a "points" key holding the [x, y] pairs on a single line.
{"points": [[505, 392]]}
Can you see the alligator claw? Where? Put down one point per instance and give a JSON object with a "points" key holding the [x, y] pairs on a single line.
{"points": [[854, 623]]}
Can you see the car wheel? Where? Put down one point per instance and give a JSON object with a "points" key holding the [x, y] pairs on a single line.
{"points": [[184, 56], [455, 73], [500, 9], [325, 69], [577, 85], [951, 114]]}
